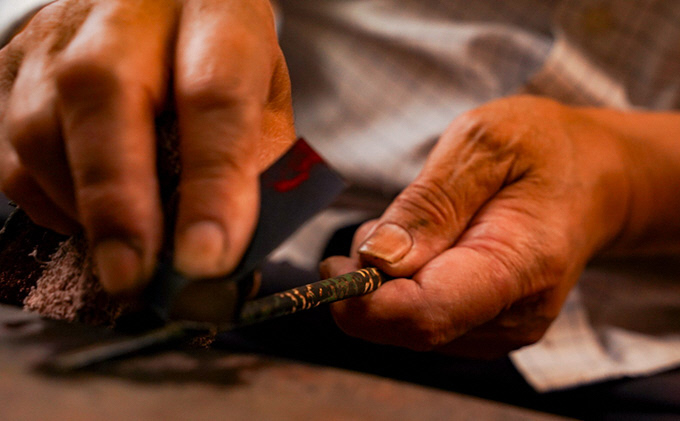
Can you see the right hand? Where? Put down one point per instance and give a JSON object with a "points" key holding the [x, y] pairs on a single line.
{"points": [[486, 243], [80, 87]]}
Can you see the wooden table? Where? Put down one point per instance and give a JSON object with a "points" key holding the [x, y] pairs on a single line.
{"points": [[206, 384]]}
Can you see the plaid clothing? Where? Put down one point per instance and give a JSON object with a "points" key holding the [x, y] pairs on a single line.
{"points": [[376, 81]]}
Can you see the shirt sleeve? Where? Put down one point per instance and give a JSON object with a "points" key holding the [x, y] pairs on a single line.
{"points": [[14, 13]]}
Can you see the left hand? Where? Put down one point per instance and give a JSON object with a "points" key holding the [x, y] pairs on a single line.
{"points": [[486, 243]]}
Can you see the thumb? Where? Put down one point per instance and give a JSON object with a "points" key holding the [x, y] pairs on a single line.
{"points": [[420, 224], [430, 214]]}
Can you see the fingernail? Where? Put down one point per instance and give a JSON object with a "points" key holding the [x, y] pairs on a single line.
{"points": [[199, 250], [389, 242], [118, 266]]}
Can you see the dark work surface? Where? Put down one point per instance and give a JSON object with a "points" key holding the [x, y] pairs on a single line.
{"points": [[206, 384], [313, 337]]}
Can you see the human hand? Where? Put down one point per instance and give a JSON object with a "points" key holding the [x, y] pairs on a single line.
{"points": [[486, 243], [80, 87]]}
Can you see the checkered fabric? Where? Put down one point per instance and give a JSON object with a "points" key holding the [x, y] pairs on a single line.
{"points": [[376, 81]]}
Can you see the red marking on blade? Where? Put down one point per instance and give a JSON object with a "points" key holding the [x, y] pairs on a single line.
{"points": [[303, 160]]}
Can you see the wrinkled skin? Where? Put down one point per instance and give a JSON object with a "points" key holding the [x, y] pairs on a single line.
{"points": [[79, 89], [485, 244]]}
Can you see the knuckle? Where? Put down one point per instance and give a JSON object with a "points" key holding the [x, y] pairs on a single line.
{"points": [[29, 124], [109, 209], [546, 262], [90, 76], [556, 244], [26, 131], [502, 127], [221, 165], [109, 182], [431, 203], [431, 326], [216, 171], [484, 130], [497, 132], [98, 177], [554, 263], [95, 197], [111, 191], [92, 84], [205, 83], [428, 335], [528, 263], [213, 92]]}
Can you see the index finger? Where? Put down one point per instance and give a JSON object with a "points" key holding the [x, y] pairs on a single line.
{"points": [[110, 81], [495, 263]]}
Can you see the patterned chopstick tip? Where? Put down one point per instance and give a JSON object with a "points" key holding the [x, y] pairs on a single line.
{"points": [[360, 282]]}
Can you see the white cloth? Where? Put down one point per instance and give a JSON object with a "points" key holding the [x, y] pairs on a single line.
{"points": [[376, 81]]}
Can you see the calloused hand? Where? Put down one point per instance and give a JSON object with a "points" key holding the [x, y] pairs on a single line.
{"points": [[80, 87], [485, 244]]}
